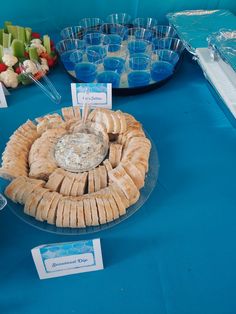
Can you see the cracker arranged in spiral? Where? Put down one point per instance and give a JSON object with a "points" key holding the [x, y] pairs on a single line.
{"points": [[68, 199]]}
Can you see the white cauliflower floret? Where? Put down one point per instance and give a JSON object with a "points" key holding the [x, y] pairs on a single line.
{"points": [[9, 78], [9, 60], [40, 48], [44, 64], [36, 41], [30, 67]]}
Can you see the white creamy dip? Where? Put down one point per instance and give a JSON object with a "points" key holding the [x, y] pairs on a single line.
{"points": [[79, 152]]}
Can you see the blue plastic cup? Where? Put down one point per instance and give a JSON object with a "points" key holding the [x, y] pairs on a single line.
{"points": [[96, 53], [138, 78], [109, 77], [140, 33], [72, 32], [138, 46], [66, 60], [139, 61], [145, 22], [161, 70], [114, 64], [163, 31], [166, 55], [86, 72], [119, 18]]}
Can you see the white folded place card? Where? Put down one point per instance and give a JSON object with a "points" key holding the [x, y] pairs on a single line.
{"points": [[61, 259], [95, 94]]}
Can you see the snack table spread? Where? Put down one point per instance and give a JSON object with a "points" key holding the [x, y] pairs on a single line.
{"points": [[177, 253]]}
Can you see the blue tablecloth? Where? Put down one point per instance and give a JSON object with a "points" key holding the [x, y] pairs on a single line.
{"points": [[177, 254]]}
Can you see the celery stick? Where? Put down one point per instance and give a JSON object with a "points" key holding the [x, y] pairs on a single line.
{"points": [[21, 33], [33, 54], [28, 32], [6, 40], [6, 23], [1, 53], [18, 48], [46, 43], [1, 35], [12, 30]]}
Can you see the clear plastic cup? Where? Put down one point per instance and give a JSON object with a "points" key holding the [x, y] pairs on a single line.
{"points": [[95, 38], [112, 77], [163, 31], [145, 22], [77, 56], [113, 39], [139, 61], [91, 24], [96, 53], [140, 33], [72, 32], [161, 70], [70, 44], [119, 18], [138, 78], [116, 64], [86, 71], [171, 43], [166, 55], [139, 46], [115, 29], [66, 60], [116, 50]]}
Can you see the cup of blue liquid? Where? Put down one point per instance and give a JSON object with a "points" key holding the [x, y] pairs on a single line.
{"points": [[76, 56], [145, 22], [95, 38], [166, 55], [161, 70], [163, 31], [72, 32], [91, 24], [140, 33], [86, 72], [70, 44], [114, 64], [156, 43], [139, 78], [112, 39], [115, 29], [109, 77], [139, 61], [96, 53], [119, 18], [170, 43], [138, 46], [66, 60]]}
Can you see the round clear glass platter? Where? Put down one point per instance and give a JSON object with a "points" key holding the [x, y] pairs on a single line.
{"points": [[150, 183]]}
